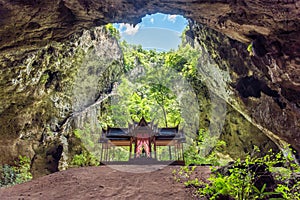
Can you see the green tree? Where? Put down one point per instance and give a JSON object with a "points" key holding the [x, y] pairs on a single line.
{"points": [[146, 89], [112, 31]]}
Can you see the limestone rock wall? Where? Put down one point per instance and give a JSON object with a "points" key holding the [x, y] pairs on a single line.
{"points": [[216, 94], [40, 89], [244, 82]]}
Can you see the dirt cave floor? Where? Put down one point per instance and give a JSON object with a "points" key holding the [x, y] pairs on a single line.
{"points": [[106, 182]]}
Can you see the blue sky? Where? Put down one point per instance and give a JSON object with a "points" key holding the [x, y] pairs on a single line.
{"points": [[158, 31]]}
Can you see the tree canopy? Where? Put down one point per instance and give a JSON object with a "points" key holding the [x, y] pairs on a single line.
{"points": [[154, 85]]}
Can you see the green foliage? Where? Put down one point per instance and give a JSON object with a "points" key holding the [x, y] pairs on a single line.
{"points": [[86, 136], [194, 154], [262, 194], [79, 160], [194, 182], [149, 89], [11, 175], [23, 169], [112, 31], [185, 173], [44, 78], [290, 193], [239, 181], [77, 133], [145, 91], [250, 49], [8, 175], [84, 159], [120, 154], [90, 148], [176, 61]]}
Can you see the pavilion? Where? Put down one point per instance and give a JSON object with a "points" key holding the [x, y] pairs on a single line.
{"points": [[143, 138]]}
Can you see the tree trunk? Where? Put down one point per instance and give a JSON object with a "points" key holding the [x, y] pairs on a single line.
{"points": [[165, 115]]}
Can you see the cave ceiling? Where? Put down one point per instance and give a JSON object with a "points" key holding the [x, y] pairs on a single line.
{"points": [[32, 23]]}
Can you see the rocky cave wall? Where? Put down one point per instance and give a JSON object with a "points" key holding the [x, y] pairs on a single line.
{"points": [[45, 93], [220, 111], [37, 48], [245, 82]]}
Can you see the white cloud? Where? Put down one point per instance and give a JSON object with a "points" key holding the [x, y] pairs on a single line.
{"points": [[152, 20], [172, 18], [129, 29]]}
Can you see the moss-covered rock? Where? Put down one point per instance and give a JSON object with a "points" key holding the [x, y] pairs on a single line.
{"points": [[39, 91], [241, 80]]}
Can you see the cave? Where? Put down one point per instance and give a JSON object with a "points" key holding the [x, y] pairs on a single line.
{"points": [[39, 43]]}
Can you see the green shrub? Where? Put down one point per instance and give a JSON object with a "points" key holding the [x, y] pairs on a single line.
{"points": [[23, 169], [112, 31], [77, 133], [84, 159], [79, 160], [194, 156], [8, 175], [273, 176], [11, 175]]}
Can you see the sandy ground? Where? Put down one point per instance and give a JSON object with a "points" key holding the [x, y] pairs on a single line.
{"points": [[105, 182]]}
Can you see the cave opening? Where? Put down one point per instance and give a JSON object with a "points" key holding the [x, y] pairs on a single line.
{"points": [[161, 32], [161, 79], [153, 71]]}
